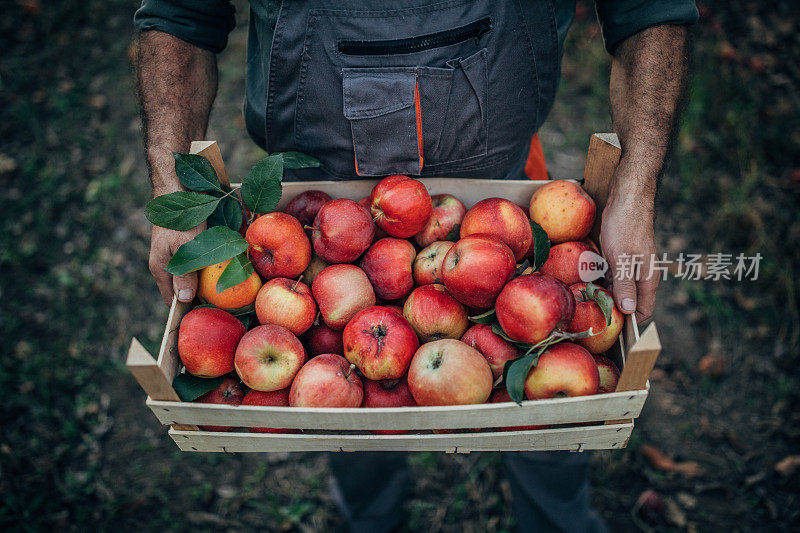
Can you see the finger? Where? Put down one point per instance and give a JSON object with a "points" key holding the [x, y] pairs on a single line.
{"points": [[163, 280], [185, 286], [625, 295], [646, 298]]}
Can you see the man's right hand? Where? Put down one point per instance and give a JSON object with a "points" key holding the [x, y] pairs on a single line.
{"points": [[163, 243]]}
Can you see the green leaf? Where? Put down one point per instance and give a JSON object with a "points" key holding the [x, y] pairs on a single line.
{"points": [[484, 318], [237, 271], [261, 188], [516, 372], [454, 234], [602, 299], [541, 245], [180, 210], [212, 246], [196, 173], [228, 213], [297, 160], [190, 387]]}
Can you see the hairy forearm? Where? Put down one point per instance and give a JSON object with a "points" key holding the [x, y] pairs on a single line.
{"points": [[177, 83], [648, 79]]}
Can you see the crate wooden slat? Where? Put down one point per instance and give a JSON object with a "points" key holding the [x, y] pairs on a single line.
{"points": [[572, 439], [345, 429]]}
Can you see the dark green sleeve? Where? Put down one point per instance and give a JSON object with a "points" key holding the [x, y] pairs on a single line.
{"points": [[203, 23], [622, 18]]}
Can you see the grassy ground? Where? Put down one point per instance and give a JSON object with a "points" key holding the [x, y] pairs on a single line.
{"points": [[78, 448]]}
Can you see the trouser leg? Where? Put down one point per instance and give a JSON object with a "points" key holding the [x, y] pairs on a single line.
{"points": [[369, 488], [551, 492]]}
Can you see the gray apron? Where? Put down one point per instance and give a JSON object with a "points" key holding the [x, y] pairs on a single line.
{"points": [[373, 88]]}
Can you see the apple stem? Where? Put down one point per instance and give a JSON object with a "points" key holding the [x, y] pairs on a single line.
{"points": [[350, 370], [312, 228], [297, 282]]}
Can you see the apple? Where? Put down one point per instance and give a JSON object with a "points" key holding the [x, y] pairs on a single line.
{"points": [[278, 246], [323, 339], [501, 396], [229, 392], [342, 231], [448, 372], [435, 314], [366, 204], [268, 357], [388, 265], [531, 307], [207, 339], [476, 269], [327, 380], [387, 393], [316, 266], [447, 213], [428, 263], [564, 369], [492, 346], [609, 374], [589, 315], [564, 260], [341, 291], [288, 303], [564, 210], [400, 206], [502, 218], [380, 343], [277, 398], [305, 206]]}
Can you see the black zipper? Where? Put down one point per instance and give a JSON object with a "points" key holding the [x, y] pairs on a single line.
{"points": [[439, 39]]}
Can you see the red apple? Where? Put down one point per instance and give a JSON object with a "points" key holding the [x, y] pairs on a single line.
{"points": [[278, 246], [388, 265], [492, 346], [448, 372], [229, 392], [400, 205], [288, 303], [342, 231], [446, 214], [609, 374], [316, 266], [531, 307], [207, 340], [380, 343], [564, 260], [323, 339], [435, 314], [564, 210], [387, 393], [342, 291], [305, 206], [501, 396], [366, 204], [589, 315], [502, 218], [564, 369], [428, 263], [268, 357], [327, 380], [476, 269], [277, 398]]}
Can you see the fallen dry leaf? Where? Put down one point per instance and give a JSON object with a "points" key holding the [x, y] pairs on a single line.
{"points": [[674, 513], [788, 465], [660, 461]]}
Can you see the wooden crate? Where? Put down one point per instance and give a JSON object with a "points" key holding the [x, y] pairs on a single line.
{"points": [[602, 421]]}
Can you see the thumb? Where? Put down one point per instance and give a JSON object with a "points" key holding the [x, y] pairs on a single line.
{"points": [[185, 286], [625, 295]]}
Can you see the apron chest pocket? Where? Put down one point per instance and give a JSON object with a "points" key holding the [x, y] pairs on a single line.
{"points": [[382, 106]]}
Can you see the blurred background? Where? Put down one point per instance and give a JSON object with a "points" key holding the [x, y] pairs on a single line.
{"points": [[718, 442]]}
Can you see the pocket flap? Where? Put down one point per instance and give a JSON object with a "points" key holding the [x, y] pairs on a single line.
{"points": [[372, 92]]}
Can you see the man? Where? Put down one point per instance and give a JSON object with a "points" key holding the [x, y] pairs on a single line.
{"points": [[451, 88]]}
